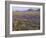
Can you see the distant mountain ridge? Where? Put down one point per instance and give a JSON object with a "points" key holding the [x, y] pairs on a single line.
{"points": [[31, 10]]}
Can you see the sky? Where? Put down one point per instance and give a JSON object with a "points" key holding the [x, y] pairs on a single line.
{"points": [[23, 8]]}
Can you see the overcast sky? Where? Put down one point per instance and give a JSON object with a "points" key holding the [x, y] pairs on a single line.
{"points": [[22, 8]]}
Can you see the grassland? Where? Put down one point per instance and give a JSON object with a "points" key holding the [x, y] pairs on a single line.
{"points": [[27, 12], [21, 23]]}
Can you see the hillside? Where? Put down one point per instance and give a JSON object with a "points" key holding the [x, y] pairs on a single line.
{"points": [[26, 20]]}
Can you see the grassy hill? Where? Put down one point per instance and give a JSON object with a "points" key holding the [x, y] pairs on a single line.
{"points": [[27, 12], [27, 20]]}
